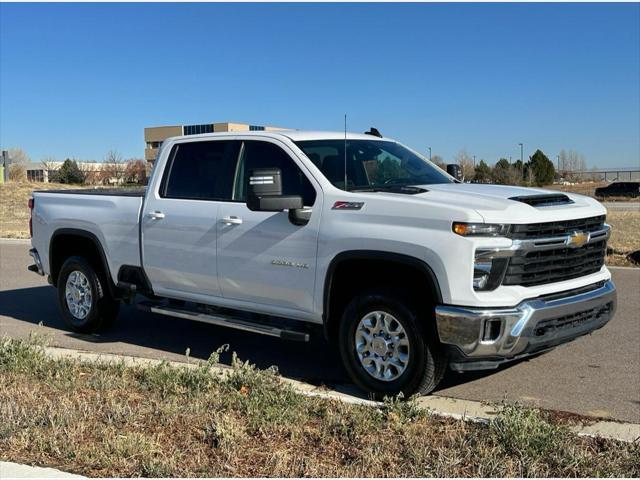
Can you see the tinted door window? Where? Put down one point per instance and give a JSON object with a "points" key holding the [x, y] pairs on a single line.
{"points": [[257, 154], [202, 170]]}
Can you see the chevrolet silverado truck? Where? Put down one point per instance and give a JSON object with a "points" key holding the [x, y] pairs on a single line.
{"points": [[409, 270]]}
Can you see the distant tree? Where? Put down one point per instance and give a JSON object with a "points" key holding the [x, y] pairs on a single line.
{"points": [[482, 172], [504, 173], [466, 163], [571, 162], [540, 168], [70, 173], [136, 172], [114, 168], [438, 160], [51, 167], [17, 172], [91, 172], [17, 155]]}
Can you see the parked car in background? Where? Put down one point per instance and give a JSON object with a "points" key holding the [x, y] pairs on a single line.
{"points": [[406, 268], [619, 189]]}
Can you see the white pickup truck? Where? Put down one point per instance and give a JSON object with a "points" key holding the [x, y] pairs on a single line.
{"points": [[408, 269]]}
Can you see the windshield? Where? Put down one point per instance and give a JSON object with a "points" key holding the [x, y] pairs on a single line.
{"points": [[371, 164]]}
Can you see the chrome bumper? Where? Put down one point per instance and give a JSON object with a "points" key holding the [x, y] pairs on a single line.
{"points": [[485, 338]]}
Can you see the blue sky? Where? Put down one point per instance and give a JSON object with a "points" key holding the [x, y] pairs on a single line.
{"points": [[77, 80]]}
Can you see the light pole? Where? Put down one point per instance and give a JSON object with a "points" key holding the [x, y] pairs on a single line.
{"points": [[474, 161], [429, 153], [521, 152]]}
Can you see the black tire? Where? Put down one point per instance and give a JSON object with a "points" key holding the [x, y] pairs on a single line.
{"points": [[103, 309], [427, 362]]}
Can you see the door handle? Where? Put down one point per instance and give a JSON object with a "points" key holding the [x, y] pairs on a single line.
{"points": [[156, 215], [233, 220]]}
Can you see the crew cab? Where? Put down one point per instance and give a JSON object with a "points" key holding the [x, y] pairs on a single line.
{"points": [[352, 236]]}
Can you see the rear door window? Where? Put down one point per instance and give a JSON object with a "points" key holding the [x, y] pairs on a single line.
{"points": [[201, 170]]}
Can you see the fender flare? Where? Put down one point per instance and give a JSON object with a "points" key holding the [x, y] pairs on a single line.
{"points": [[373, 255], [94, 239]]}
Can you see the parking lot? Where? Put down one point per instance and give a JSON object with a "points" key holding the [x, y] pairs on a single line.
{"points": [[596, 375]]}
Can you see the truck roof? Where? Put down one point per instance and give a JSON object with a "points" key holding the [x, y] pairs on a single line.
{"points": [[294, 135]]}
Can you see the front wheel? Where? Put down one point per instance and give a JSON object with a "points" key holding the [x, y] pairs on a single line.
{"points": [[386, 349], [85, 302]]}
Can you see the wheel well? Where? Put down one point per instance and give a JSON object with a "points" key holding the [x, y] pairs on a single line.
{"points": [[65, 245], [411, 278]]}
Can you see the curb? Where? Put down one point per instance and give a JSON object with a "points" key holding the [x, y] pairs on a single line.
{"points": [[16, 470], [15, 241], [466, 410]]}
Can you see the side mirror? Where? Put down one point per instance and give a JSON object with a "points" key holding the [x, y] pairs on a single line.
{"points": [[455, 171], [264, 192]]}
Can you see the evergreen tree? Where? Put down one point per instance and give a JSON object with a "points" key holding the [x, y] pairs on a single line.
{"points": [[542, 169], [482, 172], [69, 173]]}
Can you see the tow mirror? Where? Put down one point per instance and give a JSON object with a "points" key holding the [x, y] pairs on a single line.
{"points": [[264, 192], [455, 171]]}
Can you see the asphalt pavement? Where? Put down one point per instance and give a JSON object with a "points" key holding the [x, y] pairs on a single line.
{"points": [[623, 206], [596, 375]]}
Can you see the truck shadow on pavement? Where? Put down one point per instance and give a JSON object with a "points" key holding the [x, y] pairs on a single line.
{"points": [[138, 333]]}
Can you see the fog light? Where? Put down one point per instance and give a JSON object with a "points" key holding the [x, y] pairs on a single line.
{"points": [[488, 272], [492, 328], [481, 273]]}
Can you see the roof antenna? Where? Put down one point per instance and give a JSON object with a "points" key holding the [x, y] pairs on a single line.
{"points": [[345, 151]]}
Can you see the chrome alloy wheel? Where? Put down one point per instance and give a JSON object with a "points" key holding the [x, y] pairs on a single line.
{"points": [[382, 346], [78, 294]]}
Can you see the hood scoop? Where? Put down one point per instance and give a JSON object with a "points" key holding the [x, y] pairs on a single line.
{"points": [[548, 200]]}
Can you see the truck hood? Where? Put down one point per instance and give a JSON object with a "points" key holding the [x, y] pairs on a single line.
{"points": [[495, 203]]}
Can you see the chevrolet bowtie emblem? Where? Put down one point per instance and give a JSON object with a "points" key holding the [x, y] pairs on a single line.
{"points": [[578, 239]]}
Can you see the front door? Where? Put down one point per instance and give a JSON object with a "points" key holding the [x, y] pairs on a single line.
{"points": [[262, 257]]}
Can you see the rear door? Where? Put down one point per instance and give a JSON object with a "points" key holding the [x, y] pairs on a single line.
{"points": [[179, 218], [263, 258]]}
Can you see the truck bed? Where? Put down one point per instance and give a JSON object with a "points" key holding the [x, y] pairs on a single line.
{"points": [[111, 216]]}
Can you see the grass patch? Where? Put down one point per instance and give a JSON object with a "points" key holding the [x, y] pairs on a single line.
{"points": [[111, 420]]}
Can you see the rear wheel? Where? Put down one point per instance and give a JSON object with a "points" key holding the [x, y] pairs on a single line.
{"points": [[85, 302], [387, 349]]}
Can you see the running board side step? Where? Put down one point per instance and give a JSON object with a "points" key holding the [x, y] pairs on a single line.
{"points": [[225, 321]]}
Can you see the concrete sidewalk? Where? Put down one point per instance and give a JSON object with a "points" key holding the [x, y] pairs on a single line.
{"points": [[15, 470]]}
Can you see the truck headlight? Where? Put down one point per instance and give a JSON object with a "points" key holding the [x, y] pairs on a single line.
{"points": [[488, 272], [480, 229]]}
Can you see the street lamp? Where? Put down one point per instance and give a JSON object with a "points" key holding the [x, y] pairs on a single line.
{"points": [[521, 152], [474, 160], [429, 153]]}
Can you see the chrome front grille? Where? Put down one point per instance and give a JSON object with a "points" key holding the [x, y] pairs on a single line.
{"points": [[555, 265], [554, 229]]}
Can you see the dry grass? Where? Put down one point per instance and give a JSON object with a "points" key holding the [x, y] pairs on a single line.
{"points": [[14, 209], [109, 420]]}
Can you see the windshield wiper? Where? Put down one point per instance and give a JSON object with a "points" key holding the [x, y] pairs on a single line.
{"points": [[406, 189]]}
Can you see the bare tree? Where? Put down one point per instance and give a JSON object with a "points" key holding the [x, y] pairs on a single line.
{"points": [[572, 162], [114, 168], [50, 166], [136, 171], [439, 161], [17, 155], [17, 172], [466, 163], [91, 171]]}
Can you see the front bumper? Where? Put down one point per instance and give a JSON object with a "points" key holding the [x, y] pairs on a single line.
{"points": [[480, 339]]}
